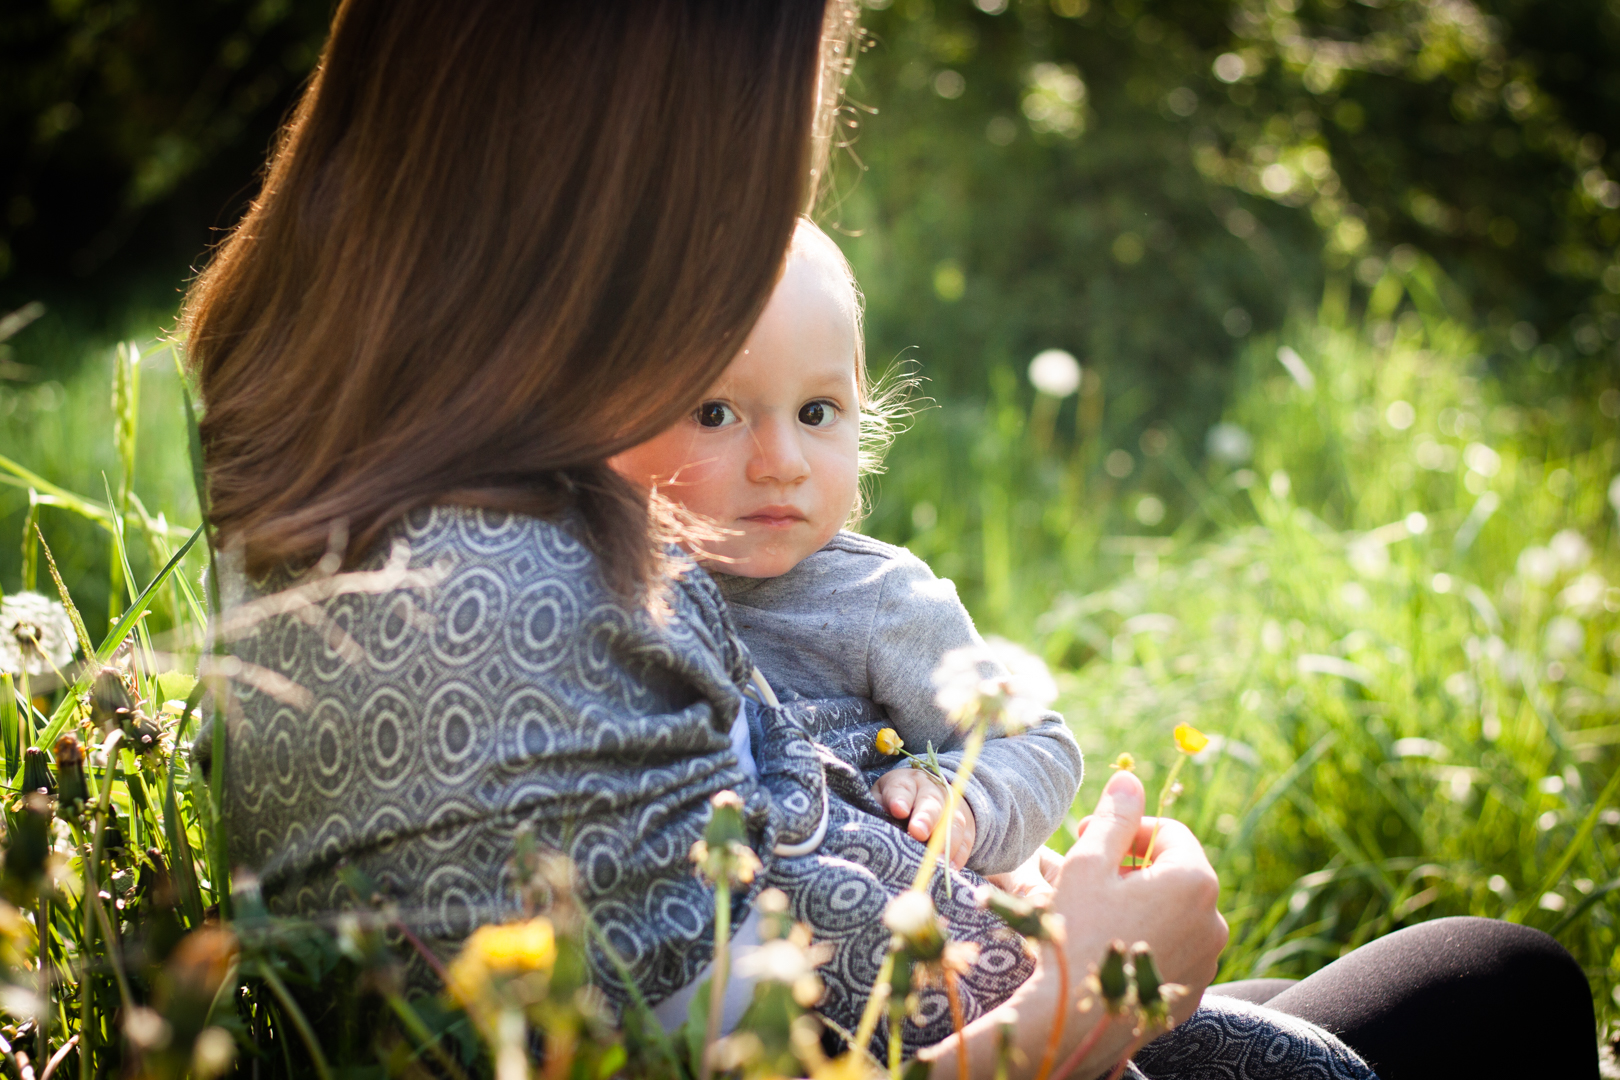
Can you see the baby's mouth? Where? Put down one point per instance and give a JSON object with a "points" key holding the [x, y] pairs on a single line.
{"points": [[775, 517]]}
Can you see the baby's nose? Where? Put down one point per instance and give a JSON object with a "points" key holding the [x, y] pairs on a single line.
{"points": [[777, 457]]}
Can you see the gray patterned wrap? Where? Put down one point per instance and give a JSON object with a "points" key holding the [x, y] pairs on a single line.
{"points": [[438, 720], [411, 731], [517, 690]]}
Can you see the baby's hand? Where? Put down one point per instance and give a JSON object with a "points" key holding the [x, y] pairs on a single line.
{"points": [[1035, 879], [912, 793]]}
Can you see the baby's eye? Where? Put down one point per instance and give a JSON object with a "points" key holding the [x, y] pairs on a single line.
{"points": [[714, 414], [817, 413]]}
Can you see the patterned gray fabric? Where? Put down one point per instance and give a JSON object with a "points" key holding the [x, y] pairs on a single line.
{"points": [[427, 725], [1228, 1039], [409, 731]]}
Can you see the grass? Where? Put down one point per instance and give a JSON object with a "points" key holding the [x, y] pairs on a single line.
{"points": [[1387, 595], [1395, 611]]}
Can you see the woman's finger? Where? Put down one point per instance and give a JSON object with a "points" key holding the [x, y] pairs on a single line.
{"points": [[1111, 831], [1174, 842]]}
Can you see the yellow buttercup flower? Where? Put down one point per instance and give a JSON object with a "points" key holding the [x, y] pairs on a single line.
{"points": [[513, 949], [1189, 740], [889, 741], [518, 947], [1126, 761]]}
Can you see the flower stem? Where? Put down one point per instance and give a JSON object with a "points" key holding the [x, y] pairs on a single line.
{"points": [[936, 842], [1061, 1015], [42, 923], [897, 1019], [722, 966], [1087, 1044], [874, 1004], [1164, 794], [957, 1023], [1130, 1052]]}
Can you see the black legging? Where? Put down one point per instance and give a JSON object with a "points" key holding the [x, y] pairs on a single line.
{"points": [[1459, 997]]}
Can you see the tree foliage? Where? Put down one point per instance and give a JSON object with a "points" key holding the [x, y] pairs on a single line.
{"points": [[1144, 182]]}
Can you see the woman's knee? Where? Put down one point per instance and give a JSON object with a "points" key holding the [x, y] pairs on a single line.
{"points": [[1521, 956], [1416, 1002]]}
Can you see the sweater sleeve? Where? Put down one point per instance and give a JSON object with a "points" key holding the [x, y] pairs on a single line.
{"points": [[1022, 785]]}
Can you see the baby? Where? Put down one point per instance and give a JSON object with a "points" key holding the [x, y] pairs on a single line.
{"points": [[773, 456]]}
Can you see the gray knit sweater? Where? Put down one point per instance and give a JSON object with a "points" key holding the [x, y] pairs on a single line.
{"points": [[861, 618]]}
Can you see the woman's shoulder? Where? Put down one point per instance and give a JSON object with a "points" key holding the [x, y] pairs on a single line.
{"points": [[518, 546], [462, 584], [548, 572]]}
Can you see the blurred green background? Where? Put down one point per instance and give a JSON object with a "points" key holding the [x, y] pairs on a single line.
{"points": [[1337, 484]]}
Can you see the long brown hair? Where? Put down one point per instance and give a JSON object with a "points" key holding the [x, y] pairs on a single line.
{"points": [[497, 243]]}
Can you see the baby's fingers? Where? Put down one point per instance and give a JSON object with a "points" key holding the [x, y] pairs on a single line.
{"points": [[961, 838], [926, 812], [896, 790]]}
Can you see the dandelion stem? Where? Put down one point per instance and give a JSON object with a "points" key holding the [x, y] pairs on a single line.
{"points": [[86, 1051], [25, 718], [957, 1022], [953, 795], [57, 1058], [874, 1003], [722, 966], [1061, 1015], [897, 1018], [93, 891], [42, 924], [1130, 1051], [1087, 1045], [295, 1016]]}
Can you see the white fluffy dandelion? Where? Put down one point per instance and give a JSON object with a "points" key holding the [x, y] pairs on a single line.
{"points": [[1055, 372], [910, 914], [998, 677], [36, 634]]}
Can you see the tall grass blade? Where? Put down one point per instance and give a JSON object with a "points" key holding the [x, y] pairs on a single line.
{"points": [[1276, 791], [1571, 850], [51, 494], [30, 544], [181, 857], [109, 644], [295, 1016], [10, 724]]}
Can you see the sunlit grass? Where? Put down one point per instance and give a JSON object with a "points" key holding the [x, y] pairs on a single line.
{"points": [[1393, 607], [1385, 590]]}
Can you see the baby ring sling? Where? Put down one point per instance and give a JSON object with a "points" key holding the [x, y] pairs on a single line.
{"points": [[840, 858]]}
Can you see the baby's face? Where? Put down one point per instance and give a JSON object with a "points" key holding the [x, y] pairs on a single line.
{"points": [[771, 454]]}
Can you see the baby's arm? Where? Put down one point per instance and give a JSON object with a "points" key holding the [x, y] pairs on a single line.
{"points": [[1022, 786]]}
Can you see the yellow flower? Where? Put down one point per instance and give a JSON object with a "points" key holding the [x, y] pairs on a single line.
{"points": [[889, 741], [517, 947], [512, 949], [1189, 740], [1126, 761]]}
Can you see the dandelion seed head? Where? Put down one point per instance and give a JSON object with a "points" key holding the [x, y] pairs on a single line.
{"points": [[1055, 372], [910, 914], [36, 634]]}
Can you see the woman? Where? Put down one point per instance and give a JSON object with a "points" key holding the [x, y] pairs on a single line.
{"points": [[490, 233]]}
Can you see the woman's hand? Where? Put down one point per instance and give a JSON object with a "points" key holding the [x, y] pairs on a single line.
{"points": [[913, 794], [1170, 905], [1035, 879]]}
